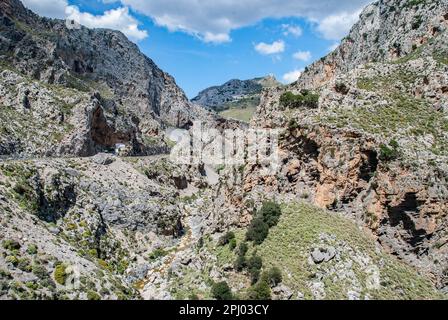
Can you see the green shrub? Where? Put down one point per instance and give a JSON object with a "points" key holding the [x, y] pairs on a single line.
{"points": [[122, 266], [24, 265], [232, 244], [259, 291], [221, 291], [13, 260], [254, 266], [92, 295], [225, 239], [200, 243], [193, 297], [32, 249], [242, 249], [292, 124], [342, 88], [5, 274], [389, 152], [271, 212], [157, 254], [240, 263], [304, 99], [258, 230], [39, 271], [60, 275], [274, 276], [11, 245]]}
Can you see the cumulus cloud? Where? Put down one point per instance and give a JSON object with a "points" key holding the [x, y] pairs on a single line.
{"points": [[292, 76], [302, 56], [47, 8], [293, 30], [210, 20], [268, 49], [216, 37], [117, 19], [213, 21]]}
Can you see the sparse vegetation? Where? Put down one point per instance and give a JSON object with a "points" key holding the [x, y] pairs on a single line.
{"points": [[259, 291], [267, 217], [258, 230], [389, 152], [60, 276], [92, 295], [226, 238], [157, 254], [221, 291], [274, 276], [341, 88]]}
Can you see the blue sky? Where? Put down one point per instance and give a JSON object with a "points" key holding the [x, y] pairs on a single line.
{"points": [[204, 43]]}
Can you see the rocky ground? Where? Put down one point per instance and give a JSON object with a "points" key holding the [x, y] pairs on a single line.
{"points": [[361, 191]]}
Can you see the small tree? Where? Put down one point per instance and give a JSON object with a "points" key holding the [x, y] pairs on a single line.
{"points": [[240, 263], [232, 244], [390, 152], [271, 212], [242, 249], [221, 291], [254, 266], [274, 276], [225, 239], [258, 230], [260, 291]]}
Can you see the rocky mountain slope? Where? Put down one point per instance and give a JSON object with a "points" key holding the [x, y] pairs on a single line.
{"points": [[235, 94], [81, 90], [372, 144]]}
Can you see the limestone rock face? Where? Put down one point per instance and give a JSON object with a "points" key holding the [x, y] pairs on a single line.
{"points": [[384, 85], [386, 31]]}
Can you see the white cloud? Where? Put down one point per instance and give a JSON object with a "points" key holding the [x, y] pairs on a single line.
{"points": [[209, 20], [292, 76], [47, 8], [268, 49], [117, 19], [302, 56], [293, 30], [213, 21], [216, 38], [335, 27]]}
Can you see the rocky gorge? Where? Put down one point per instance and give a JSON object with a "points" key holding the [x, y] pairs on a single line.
{"points": [[357, 209]]}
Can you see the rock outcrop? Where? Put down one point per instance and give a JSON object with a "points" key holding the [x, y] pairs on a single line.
{"points": [[374, 146], [235, 93]]}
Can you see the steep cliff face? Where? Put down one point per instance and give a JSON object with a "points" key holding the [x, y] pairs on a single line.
{"points": [[373, 146], [235, 93], [386, 31], [98, 81]]}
